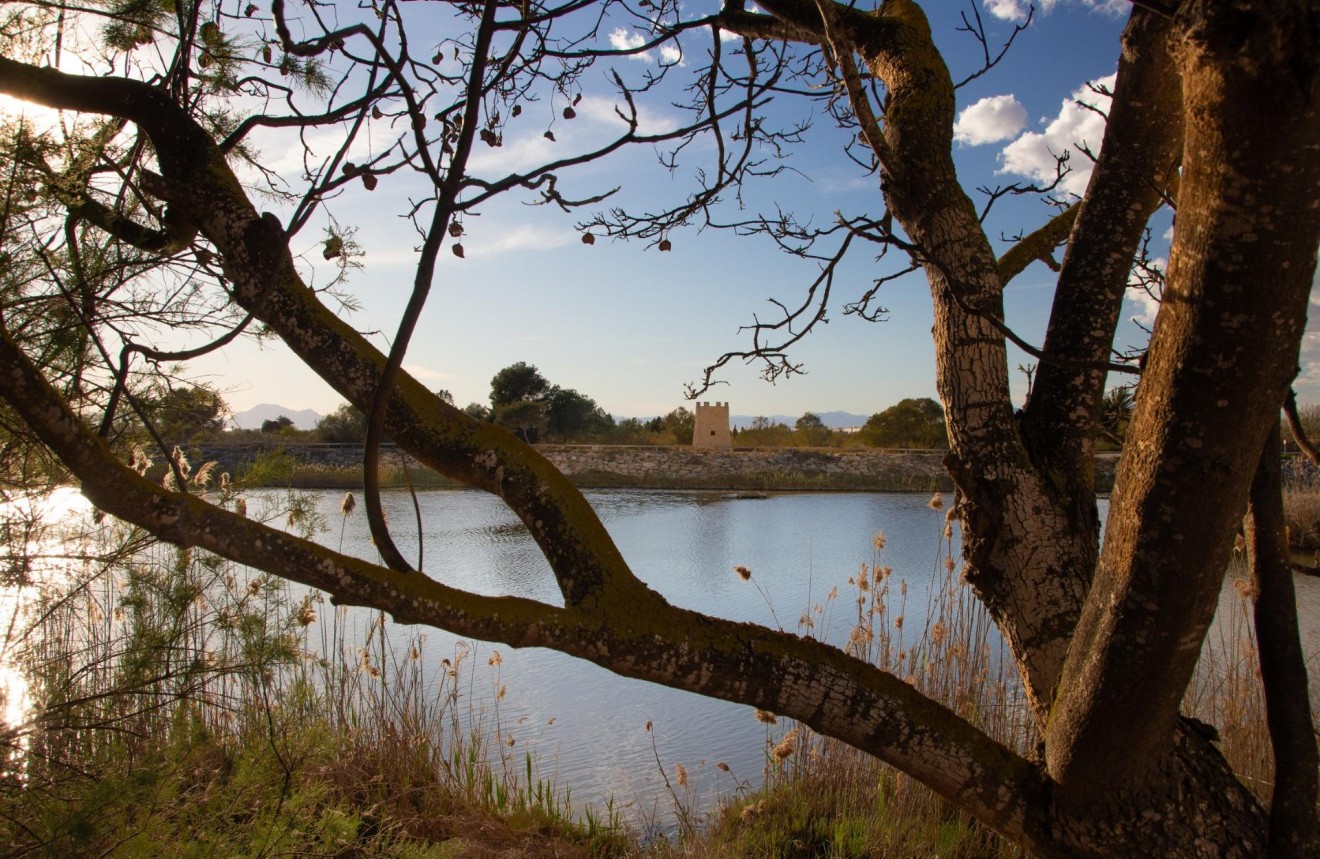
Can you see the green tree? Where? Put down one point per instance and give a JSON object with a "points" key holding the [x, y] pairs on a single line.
{"points": [[681, 423], [520, 381], [277, 425], [188, 413], [917, 423], [477, 412], [524, 418], [571, 416], [345, 425], [1116, 414], [765, 432], [632, 431], [1216, 107], [810, 431]]}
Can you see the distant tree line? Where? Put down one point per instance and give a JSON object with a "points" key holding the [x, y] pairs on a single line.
{"points": [[523, 401]]}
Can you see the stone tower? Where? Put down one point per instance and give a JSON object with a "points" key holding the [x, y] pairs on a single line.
{"points": [[712, 426]]}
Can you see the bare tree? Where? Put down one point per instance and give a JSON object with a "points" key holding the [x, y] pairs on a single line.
{"points": [[1215, 110]]}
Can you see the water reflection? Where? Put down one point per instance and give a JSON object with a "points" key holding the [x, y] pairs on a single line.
{"points": [[587, 724]]}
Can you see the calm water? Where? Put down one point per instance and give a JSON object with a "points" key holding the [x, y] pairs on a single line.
{"points": [[588, 725]]}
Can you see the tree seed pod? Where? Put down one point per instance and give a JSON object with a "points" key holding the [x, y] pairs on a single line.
{"points": [[369, 181], [455, 229], [569, 113], [210, 33], [458, 251], [665, 245], [588, 239]]}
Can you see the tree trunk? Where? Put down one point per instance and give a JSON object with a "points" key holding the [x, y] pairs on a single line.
{"points": [[1223, 353]]}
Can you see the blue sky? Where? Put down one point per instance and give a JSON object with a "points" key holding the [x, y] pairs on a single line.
{"points": [[628, 325]]}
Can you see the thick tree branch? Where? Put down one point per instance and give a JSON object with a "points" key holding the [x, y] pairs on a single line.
{"points": [[1304, 443], [1038, 245], [1142, 145]]}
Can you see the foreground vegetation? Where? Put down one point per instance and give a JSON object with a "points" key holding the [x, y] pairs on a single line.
{"points": [[181, 706]]}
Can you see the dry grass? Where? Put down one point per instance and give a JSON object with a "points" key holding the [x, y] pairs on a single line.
{"points": [[1301, 504], [822, 798], [829, 800]]}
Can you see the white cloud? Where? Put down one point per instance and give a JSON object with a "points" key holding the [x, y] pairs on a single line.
{"points": [[1011, 10], [1016, 10], [520, 152], [1147, 305], [426, 374], [622, 40], [1033, 154], [606, 112], [1308, 382], [990, 120]]}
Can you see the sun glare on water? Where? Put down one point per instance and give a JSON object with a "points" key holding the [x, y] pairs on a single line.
{"points": [[37, 527]]}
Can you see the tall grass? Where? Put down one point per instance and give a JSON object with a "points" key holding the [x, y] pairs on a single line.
{"points": [[1301, 502], [180, 706], [822, 798]]}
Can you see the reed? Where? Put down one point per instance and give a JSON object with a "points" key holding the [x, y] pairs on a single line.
{"points": [[1301, 503], [177, 705], [822, 798]]}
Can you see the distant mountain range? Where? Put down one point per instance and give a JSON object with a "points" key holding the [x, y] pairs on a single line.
{"points": [[253, 418]]}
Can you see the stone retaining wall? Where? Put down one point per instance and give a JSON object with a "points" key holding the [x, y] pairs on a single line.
{"points": [[680, 467], [779, 468]]}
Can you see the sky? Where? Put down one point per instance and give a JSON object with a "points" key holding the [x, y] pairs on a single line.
{"points": [[630, 325]]}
